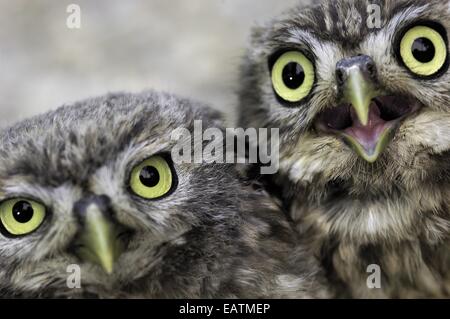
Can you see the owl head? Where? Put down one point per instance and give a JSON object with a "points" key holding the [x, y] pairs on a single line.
{"points": [[358, 89], [91, 190]]}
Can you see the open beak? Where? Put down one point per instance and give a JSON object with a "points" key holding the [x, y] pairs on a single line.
{"points": [[359, 92], [368, 135], [365, 119], [99, 241]]}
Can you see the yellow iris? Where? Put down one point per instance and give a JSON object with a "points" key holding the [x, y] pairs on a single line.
{"points": [[152, 178], [297, 87], [21, 216], [435, 62]]}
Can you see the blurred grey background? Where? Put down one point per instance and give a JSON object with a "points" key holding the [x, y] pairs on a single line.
{"points": [[190, 47]]}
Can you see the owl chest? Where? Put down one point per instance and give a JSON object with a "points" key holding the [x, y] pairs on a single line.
{"points": [[406, 270], [374, 250]]}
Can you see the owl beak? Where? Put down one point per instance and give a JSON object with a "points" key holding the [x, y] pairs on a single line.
{"points": [[357, 81], [359, 92], [99, 241]]}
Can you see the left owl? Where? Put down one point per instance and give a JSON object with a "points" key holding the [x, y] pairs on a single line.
{"points": [[93, 184]]}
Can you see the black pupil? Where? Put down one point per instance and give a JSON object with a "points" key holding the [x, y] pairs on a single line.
{"points": [[149, 176], [22, 212], [423, 50], [293, 75]]}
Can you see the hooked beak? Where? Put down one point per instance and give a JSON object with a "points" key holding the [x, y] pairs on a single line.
{"points": [[99, 241], [365, 120], [359, 92], [357, 81]]}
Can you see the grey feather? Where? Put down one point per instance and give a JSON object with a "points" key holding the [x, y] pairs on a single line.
{"points": [[214, 235]]}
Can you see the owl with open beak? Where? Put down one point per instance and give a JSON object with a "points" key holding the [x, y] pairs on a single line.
{"points": [[360, 93]]}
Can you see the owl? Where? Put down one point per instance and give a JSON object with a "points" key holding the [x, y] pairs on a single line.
{"points": [[360, 93], [92, 190]]}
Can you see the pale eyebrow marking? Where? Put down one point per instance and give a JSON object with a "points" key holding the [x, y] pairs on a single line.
{"points": [[404, 18]]}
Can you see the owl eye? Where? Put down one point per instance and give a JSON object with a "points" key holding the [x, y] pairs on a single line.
{"points": [[21, 216], [152, 178], [423, 50], [292, 76]]}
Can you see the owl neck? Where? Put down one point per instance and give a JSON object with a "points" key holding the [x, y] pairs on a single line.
{"points": [[372, 217]]}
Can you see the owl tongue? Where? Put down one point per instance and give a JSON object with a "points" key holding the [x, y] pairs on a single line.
{"points": [[368, 135]]}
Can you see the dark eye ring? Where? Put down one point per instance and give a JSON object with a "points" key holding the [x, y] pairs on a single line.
{"points": [[292, 76]]}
